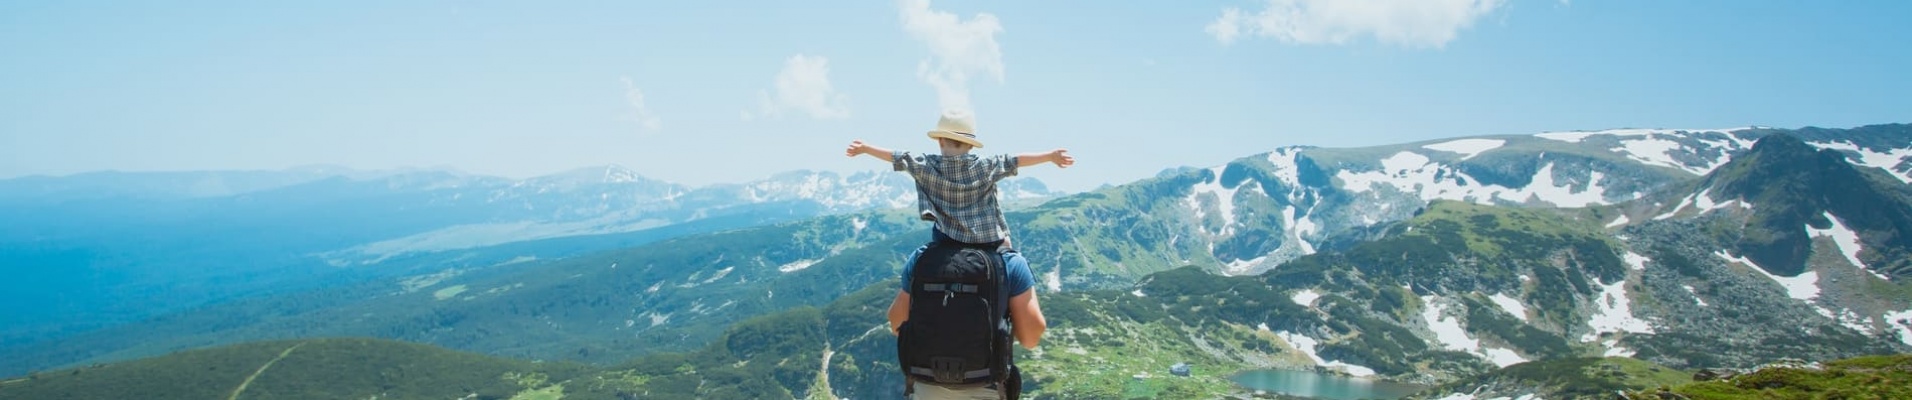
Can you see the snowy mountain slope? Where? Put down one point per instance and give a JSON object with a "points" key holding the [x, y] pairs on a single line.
{"points": [[1306, 195]]}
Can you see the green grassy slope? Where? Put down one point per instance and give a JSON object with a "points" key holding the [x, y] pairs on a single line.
{"points": [[298, 369]]}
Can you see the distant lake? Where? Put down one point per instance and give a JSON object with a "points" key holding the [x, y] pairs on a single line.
{"points": [[1325, 386]]}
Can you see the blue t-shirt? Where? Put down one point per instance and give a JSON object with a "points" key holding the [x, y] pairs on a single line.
{"points": [[1020, 279]]}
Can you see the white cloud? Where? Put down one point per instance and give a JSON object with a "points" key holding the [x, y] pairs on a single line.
{"points": [[958, 48], [1410, 23], [641, 113], [803, 85]]}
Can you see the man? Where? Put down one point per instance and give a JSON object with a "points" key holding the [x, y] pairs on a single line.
{"points": [[957, 192]]}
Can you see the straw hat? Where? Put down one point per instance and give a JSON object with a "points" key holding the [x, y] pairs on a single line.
{"points": [[958, 125]]}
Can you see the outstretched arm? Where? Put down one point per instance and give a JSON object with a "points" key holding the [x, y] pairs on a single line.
{"points": [[1060, 157], [858, 147]]}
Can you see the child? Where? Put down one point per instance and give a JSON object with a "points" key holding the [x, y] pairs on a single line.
{"points": [[956, 190]]}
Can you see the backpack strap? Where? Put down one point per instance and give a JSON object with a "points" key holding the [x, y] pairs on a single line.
{"points": [[1001, 276]]}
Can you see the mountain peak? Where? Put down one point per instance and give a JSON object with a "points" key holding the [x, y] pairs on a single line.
{"points": [[601, 174], [1795, 189]]}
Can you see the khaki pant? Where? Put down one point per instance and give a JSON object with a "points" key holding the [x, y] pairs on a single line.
{"points": [[932, 392]]}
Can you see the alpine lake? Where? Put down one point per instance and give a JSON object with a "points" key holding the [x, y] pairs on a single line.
{"points": [[1323, 386]]}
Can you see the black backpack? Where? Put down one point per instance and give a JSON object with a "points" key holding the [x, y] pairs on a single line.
{"points": [[958, 332]]}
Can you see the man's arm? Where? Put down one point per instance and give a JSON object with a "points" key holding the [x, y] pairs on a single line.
{"points": [[900, 310], [858, 147], [1060, 157], [1024, 313]]}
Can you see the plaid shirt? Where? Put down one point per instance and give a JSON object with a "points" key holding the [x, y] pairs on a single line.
{"points": [[959, 193]]}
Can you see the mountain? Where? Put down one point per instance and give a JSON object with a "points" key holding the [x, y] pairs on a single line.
{"points": [[158, 185], [1785, 233], [95, 250], [662, 293], [1797, 192], [1255, 213], [1427, 262]]}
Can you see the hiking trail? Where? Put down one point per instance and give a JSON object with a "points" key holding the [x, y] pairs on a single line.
{"points": [[262, 370]]}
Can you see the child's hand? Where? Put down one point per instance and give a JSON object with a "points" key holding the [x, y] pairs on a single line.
{"points": [[856, 147], [1062, 158]]}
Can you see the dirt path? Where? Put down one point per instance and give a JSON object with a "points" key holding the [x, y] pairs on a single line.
{"points": [[823, 374], [262, 370]]}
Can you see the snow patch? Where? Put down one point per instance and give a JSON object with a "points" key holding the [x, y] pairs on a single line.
{"points": [[1297, 228], [1415, 173], [1510, 305], [1053, 279], [1696, 295], [1726, 147], [720, 274], [1881, 160], [1447, 330], [1577, 136], [1635, 260], [1467, 148], [1138, 293], [1652, 151], [1286, 170], [1658, 151], [1703, 200], [1352, 370], [1301, 342], [658, 319], [1803, 287], [797, 265], [1470, 396], [1706, 203], [1240, 267], [1676, 209], [1306, 345], [1852, 320], [1613, 312], [1847, 240], [1543, 189], [1502, 357], [1618, 221], [1224, 200], [1306, 297], [1615, 350], [1901, 321]]}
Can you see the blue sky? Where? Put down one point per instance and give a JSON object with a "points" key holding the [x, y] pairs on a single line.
{"points": [[700, 92]]}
